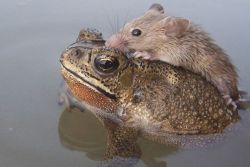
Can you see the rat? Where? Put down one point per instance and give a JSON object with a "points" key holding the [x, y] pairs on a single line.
{"points": [[178, 41]]}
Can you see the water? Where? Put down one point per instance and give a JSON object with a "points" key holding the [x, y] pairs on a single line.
{"points": [[32, 36]]}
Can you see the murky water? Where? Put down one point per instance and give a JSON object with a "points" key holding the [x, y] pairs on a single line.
{"points": [[35, 131]]}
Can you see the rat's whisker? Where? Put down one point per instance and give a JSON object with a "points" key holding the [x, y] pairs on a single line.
{"points": [[125, 20], [117, 23], [111, 25]]}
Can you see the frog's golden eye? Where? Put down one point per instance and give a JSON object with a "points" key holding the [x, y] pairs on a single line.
{"points": [[106, 64]]}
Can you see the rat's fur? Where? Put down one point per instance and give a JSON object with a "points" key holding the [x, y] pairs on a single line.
{"points": [[181, 43]]}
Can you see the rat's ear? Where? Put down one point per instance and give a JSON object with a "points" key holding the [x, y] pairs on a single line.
{"points": [[156, 7], [174, 26]]}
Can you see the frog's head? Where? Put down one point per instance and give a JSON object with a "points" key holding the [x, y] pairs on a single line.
{"points": [[96, 76]]}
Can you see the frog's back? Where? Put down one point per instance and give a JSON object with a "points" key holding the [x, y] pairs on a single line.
{"points": [[178, 101]]}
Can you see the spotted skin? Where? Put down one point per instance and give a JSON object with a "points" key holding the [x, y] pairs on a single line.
{"points": [[152, 99], [89, 35], [150, 95], [178, 102]]}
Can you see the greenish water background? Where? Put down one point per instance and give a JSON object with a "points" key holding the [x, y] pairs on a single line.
{"points": [[32, 36]]}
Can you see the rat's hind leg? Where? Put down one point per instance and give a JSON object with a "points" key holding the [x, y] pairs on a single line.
{"points": [[225, 90], [229, 101]]}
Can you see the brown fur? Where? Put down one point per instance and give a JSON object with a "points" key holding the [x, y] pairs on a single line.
{"points": [[181, 43]]}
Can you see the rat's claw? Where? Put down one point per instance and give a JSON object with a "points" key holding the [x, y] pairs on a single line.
{"points": [[144, 55], [138, 54], [234, 106], [229, 101]]}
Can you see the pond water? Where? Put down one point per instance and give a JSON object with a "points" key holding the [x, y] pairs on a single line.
{"points": [[36, 131]]}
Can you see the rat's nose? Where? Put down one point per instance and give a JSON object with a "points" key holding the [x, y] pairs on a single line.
{"points": [[116, 41], [113, 41], [108, 44]]}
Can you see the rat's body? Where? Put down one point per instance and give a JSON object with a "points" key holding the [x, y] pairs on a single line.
{"points": [[181, 43]]}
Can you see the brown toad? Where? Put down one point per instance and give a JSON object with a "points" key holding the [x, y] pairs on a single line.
{"points": [[152, 96]]}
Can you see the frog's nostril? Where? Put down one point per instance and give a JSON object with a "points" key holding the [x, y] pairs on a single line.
{"points": [[76, 53]]}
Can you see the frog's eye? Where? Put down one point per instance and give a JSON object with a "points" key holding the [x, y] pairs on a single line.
{"points": [[136, 32], [106, 64]]}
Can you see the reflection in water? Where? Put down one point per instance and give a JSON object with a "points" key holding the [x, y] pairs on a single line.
{"points": [[81, 131], [75, 134]]}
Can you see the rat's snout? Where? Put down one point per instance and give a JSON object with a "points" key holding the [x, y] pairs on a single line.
{"points": [[116, 41]]}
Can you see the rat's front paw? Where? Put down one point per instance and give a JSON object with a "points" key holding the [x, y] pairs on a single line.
{"points": [[144, 55]]}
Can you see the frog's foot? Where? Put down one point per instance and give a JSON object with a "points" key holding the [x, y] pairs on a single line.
{"points": [[61, 101], [143, 54], [229, 101], [64, 101]]}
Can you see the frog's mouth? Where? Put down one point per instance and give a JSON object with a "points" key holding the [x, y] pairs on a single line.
{"points": [[87, 83]]}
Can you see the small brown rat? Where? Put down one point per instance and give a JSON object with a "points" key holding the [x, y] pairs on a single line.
{"points": [[178, 41]]}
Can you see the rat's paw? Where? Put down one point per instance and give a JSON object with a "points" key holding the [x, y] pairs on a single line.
{"points": [[144, 55], [229, 101]]}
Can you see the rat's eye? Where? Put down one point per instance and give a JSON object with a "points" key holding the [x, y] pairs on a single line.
{"points": [[136, 32]]}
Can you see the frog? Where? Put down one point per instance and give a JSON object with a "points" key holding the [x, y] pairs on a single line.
{"points": [[151, 96], [135, 98]]}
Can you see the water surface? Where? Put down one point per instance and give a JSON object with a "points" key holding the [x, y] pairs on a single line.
{"points": [[32, 36]]}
